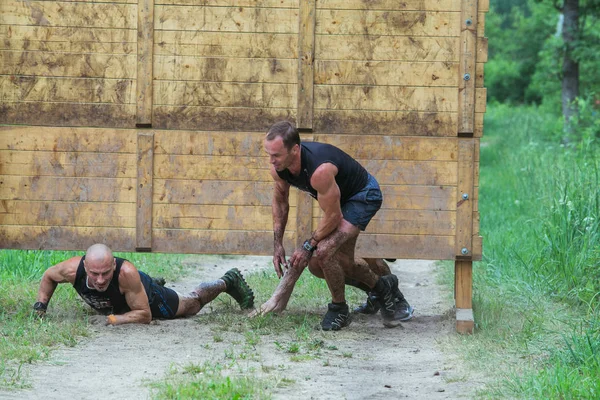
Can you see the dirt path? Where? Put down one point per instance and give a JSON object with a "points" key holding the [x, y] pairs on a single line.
{"points": [[379, 363]]}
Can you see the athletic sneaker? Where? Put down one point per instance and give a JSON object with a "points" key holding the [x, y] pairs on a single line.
{"points": [[404, 311], [160, 281], [336, 317], [370, 306], [385, 291], [238, 288]]}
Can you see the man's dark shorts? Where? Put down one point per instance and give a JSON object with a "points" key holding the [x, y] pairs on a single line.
{"points": [[360, 208], [163, 301]]}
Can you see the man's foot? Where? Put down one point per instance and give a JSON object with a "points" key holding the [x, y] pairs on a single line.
{"points": [[160, 281], [369, 307], [336, 317], [404, 311], [385, 289], [238, 288]]}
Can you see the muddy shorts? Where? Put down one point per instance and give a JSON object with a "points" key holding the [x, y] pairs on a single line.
{"points": [[360, 208], [163, 301]]}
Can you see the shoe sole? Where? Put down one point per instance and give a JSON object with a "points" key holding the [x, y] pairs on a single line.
{"points": [[411, 311]]}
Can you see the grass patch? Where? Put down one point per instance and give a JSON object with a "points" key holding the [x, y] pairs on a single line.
{"points": [[536, 292], [208, 381]]}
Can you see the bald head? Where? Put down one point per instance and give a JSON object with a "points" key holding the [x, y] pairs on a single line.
{"points": [[98, 254]]}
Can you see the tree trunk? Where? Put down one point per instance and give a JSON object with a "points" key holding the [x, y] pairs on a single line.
{"points": [[570, 69]]}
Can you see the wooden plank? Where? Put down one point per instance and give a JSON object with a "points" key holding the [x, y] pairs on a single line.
{"points": [[226, 44], [116, 66], [482, 49], [68, 114], [227, 19], [477, 248], [479, 74], [394, 147], [214, 192], [246, 144], [385, 98], [68, 139], [392, 5], [480, 100], [424, 247], [66, 46], [47, 163], [225, 119], [306, 59], [228, 168], [79, 36], [97, 1], [395, 123], [464, 202], [214, 69], [55, 13], [402, 172], [350, 72], [387, 48], [239, 3], [467, 73], [225, 94], [145, 47], [407, 222], [415, 197], [145, 159], [65, 237], [215, 217], [409, 23], [74, 90], [47, 188], [195, 241], [53, 213]]}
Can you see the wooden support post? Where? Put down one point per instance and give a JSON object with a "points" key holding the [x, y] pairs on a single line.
{"points": [[467, 64], [306, 56], [145, 48], [145, 164], [463, 286]]}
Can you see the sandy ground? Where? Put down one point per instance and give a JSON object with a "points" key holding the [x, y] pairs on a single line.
{"points": [[372, 362]]}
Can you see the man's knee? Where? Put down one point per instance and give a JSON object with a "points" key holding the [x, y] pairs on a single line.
{"points": [[315, 268]]}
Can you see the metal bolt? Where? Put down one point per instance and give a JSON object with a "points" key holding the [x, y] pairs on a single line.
{"points": [[469, 22], [466, 77], [464, 251], [465, 196]]}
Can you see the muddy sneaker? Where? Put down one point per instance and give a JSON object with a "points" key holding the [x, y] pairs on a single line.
{"points": [[238, 288], [404, 311], [160, 281], [369, 307], [336, 317], [385, 288]]}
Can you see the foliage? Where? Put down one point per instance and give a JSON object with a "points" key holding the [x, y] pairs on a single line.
{"points": [[526, 51]]}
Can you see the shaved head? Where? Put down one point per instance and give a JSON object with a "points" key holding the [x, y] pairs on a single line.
{"points": [[98, 254]]}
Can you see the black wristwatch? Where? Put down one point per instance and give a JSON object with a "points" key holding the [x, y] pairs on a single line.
{"points": [[39, 306], [308, 247]]}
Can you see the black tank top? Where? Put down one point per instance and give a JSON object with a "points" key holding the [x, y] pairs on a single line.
{"points": [[111, 301], [351, 178]]}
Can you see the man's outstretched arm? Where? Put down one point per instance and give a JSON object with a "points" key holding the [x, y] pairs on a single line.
{"points": [[279, 300], [62, 272]]}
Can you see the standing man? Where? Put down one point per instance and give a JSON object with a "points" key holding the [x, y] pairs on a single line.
{"points": [[349, 197], [115, 288]]}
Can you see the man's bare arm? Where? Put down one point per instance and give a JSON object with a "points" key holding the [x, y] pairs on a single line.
{"points": [[323, 180], [132, 288], [281, 296], [62, 272], [280, 207]]}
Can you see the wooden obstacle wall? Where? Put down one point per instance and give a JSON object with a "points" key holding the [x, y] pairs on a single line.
{"points": [[139, 123]]}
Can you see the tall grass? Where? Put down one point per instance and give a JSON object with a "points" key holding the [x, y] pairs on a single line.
{"points": [[537, 288]]}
